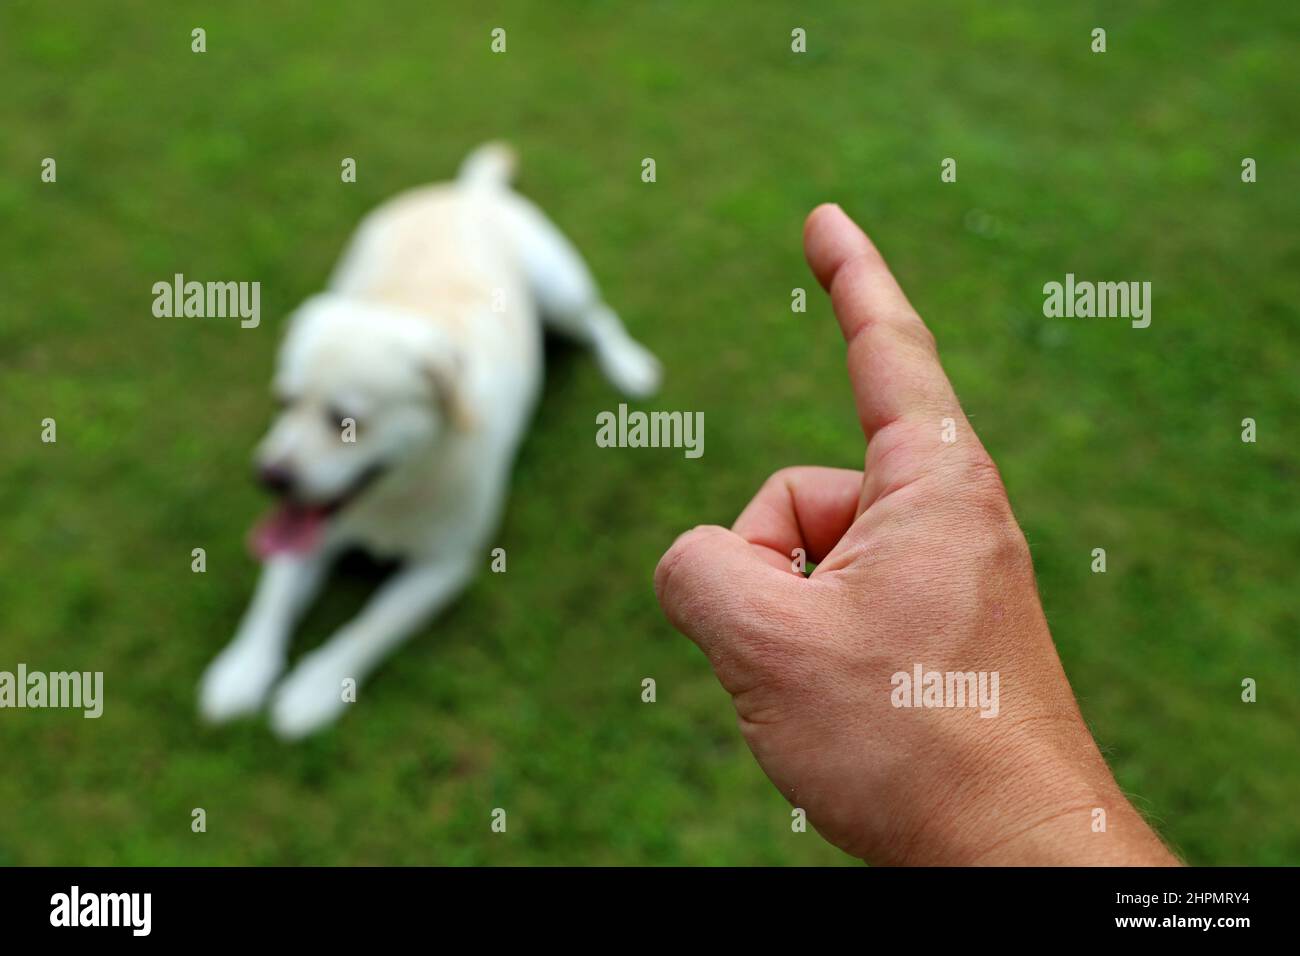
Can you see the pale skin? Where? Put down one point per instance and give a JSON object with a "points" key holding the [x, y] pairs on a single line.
{"points": [[919, 560]]}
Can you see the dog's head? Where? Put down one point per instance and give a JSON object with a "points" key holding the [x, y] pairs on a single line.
{"points": [[363, 389]]}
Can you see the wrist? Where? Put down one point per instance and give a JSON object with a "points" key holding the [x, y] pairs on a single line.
{"points": [[1052, 803], [1035, 792]]}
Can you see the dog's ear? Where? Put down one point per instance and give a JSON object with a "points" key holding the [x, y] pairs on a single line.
{"points": [[447, 376]]}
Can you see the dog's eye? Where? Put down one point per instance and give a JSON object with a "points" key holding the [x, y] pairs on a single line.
{"points": [[340, 419]]}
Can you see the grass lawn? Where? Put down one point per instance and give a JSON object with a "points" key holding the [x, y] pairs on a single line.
{"points": [[1124, 165]]}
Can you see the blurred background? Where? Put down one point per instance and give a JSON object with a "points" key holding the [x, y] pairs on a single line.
{"points": [[1124, 165]]}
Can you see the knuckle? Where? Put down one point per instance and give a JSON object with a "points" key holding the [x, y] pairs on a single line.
{"points": [[1009, 549], [783, 477], [852, 270], [974, 476], [914, 329], [678, 558], [905, 332], [982, 474], [987, 506], [1004, 543], [697, 592]]}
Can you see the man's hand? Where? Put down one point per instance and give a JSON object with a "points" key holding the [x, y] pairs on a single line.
{"points": [[919, 562]]}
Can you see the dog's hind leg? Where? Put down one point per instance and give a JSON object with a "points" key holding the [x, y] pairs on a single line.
{"points": [[569, 301]]}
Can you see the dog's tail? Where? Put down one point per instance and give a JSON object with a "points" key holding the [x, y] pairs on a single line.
{"points": [[492, 164]]}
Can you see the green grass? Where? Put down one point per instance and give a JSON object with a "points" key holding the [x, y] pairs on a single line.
{"points": [[1123, 165]]}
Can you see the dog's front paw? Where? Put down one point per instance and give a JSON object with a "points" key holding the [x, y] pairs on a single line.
{"points": [[237, 682], [312, 696]]}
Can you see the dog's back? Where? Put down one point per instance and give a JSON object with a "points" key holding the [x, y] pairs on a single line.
{"points": [[439, 252]]}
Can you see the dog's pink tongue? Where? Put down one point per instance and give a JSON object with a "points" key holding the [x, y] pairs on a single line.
{"points": [[288, 529]]}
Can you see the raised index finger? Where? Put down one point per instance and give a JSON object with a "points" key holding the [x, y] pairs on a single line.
{"points": [[893, 363]]}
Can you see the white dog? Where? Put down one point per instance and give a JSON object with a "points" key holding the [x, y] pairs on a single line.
{"points": [[406, 388]]}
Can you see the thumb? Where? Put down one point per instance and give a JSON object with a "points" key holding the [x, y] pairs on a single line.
{"points": [[721, 592]]}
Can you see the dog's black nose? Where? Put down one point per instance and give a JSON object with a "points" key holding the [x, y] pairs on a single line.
{"points": [[275, 478]]}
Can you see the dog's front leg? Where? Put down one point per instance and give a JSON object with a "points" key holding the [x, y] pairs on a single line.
{"points": [[238, 681], [313, 695]]}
